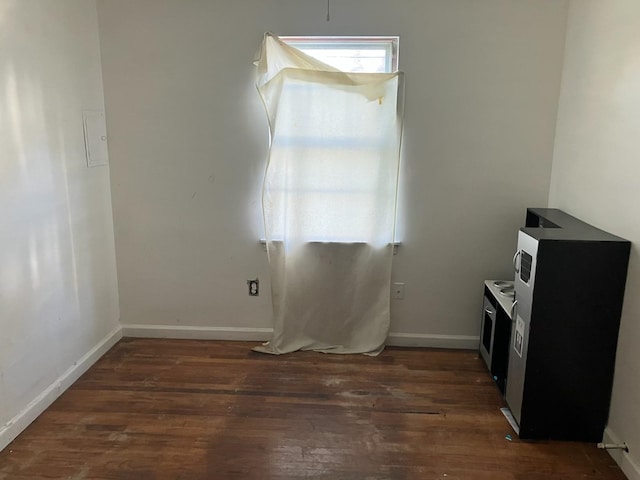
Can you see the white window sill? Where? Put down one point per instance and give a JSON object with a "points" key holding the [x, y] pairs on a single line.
{"points": [[263, 242]]}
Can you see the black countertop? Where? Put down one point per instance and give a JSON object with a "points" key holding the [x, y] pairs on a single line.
{"points": [[564, 227]]}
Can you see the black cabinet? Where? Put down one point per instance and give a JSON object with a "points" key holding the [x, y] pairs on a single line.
{"points": [[569, 284]]}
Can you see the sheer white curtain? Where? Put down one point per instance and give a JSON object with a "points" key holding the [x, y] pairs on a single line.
{"points": [[329, 200]]}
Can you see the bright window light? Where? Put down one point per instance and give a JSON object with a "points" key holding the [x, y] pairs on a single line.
{"points": [[351, 54]]}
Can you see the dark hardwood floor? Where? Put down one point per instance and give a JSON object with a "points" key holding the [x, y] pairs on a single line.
{"points": [[182, 409]]}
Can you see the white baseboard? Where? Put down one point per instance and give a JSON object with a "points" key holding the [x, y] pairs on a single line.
{"points": [[198, 333], [626, 461], [464, 342], [23, 419], [255, 334]]}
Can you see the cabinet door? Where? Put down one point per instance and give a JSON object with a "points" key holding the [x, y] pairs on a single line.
{"points": [[487, 330], [500, 348], [518, 348], [524, 287]]}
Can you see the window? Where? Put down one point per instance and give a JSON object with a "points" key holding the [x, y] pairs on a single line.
{"points": [[337, 148], [351, 54]]}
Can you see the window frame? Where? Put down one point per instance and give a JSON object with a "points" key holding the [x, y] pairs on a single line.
{"points": [[389, 43]]}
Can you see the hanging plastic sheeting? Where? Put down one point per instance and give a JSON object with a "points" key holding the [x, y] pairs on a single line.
{"points": [[329, 200]]}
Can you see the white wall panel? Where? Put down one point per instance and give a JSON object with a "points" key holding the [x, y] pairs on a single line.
{"points": [[188, 140], [58, 288]]}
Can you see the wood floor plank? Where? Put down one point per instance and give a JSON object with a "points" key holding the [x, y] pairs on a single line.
{"points": [[185, 409]]}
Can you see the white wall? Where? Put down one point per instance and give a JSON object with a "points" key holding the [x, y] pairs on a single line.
{"points": [[188, 141], [596, 170], [58, 289]]}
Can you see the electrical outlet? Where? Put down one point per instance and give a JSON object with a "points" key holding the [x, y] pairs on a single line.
{"points": [[254, 287], [397, 291]]}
